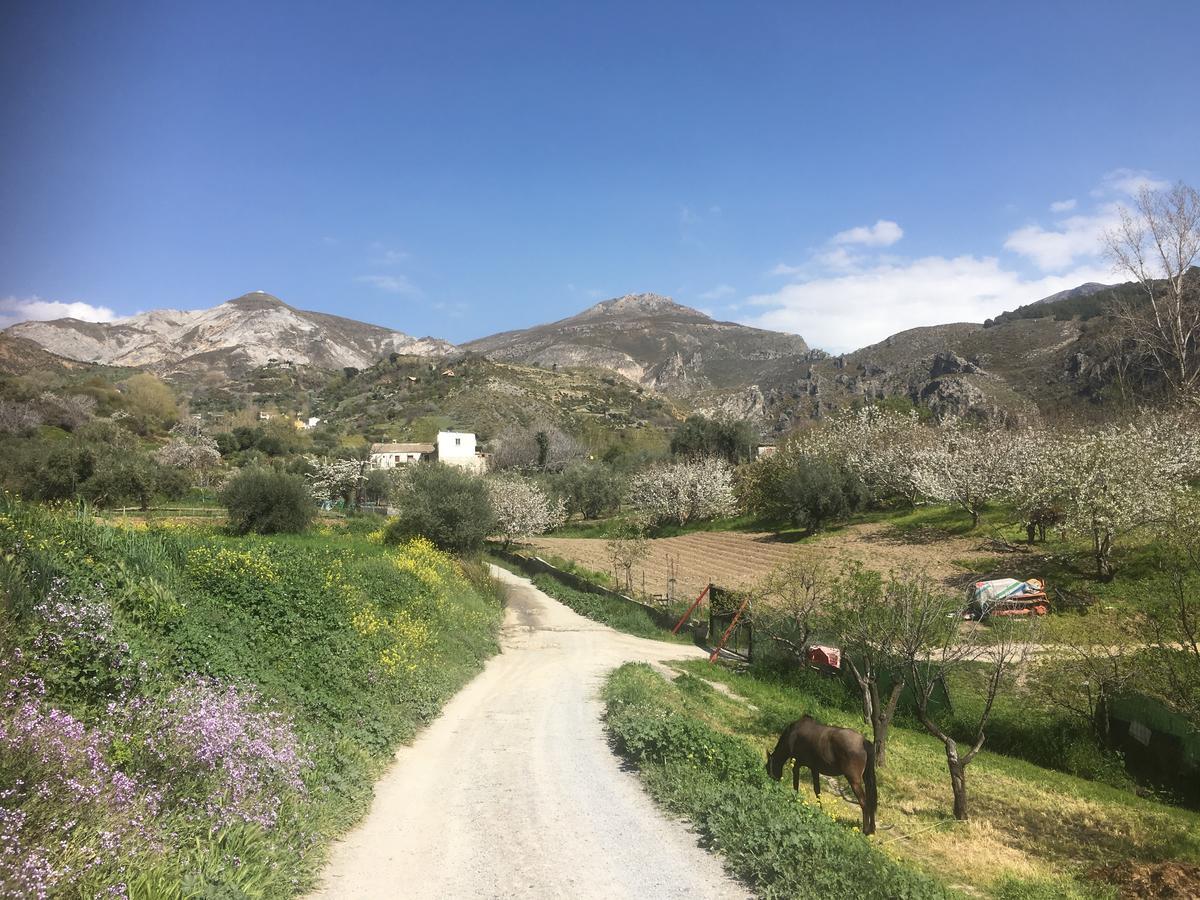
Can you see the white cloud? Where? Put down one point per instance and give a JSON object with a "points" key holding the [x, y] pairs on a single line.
{"points": [[785, 269], [1064, 245], [883, 233], [16, 309], [1128, 182], [842, 312], [1061, 206], [390, 284], [716, 293], [382, 255]]}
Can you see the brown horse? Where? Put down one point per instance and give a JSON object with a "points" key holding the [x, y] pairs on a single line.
{"points": [[828, 750]]}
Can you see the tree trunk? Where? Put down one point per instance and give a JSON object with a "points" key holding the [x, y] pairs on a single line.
{"points": [[958, 780], [881, 719], [876, 712]]}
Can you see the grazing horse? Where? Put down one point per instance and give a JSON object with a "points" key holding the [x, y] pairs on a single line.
{"points": [[828, 750]]}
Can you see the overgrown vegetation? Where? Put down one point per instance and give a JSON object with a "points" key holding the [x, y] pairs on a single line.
{"points": [[188, 714]]}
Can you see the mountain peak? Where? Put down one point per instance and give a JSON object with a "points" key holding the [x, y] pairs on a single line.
{"points": [[256, 300], [640, 305]]}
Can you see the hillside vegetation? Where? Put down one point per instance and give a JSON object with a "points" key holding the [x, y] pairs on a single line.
{"points": [[188, 714]]}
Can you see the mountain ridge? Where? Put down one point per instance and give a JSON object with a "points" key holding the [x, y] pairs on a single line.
{"points": [[245, 331]]}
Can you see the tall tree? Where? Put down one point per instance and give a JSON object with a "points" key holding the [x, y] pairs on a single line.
{"points": [[1158, 244]]}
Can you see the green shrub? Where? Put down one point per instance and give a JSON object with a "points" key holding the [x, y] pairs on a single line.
{"points": [[352, 644], [817, 492], [267, 502], [446, 505], [590, 490]]}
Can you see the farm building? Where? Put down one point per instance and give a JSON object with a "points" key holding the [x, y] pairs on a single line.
{"points": [[454, 448], [388, 456]]}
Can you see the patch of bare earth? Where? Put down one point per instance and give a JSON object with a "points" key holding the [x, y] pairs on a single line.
{"points": [[1160, 881], [736, 559]]}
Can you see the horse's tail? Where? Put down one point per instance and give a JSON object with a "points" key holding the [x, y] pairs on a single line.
{"points": [[869, 783]]}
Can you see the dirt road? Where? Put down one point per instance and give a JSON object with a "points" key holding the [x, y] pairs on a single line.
{"points": [[514, 791]]}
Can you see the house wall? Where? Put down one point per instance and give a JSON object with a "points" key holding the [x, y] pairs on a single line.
{"points": [[391, 460]]}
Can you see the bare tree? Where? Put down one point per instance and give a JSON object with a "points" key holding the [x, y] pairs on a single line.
{"points": [[535, 448], [627, 549], [1158, 244], [862, 613], [933, 648], [1082, 677], [794, 595], [17, 416]]}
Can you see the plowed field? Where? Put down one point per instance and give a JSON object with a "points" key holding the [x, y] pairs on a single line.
{"points": [[736, 559]]}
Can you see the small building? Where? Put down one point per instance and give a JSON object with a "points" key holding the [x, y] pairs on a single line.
{"points": [[389, 456], [454, 448], [457, 448]]}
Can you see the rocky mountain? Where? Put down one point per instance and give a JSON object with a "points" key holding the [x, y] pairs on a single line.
{"points": [[629, 362], [1086, 289], [242, 333], [654, 342]]}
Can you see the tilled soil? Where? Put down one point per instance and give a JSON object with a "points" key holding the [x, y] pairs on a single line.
{"points": [[735, 559]]}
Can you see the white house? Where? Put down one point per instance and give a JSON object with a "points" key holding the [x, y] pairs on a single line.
{"points": [[454, 448], [457, 448], [388, 456]]}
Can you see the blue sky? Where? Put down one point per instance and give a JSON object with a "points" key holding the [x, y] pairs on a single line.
{"points": [[457, 169]]}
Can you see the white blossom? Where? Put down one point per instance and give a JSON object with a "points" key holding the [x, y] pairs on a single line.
{"points": [[522, 508], [685, 492]]}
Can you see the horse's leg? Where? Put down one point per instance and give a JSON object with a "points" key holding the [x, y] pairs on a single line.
{"points": [[816, 778], [796, 776]]}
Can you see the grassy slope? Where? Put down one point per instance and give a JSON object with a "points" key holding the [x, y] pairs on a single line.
{"points": [[359, 645], [618, 614], [1029, 824]]}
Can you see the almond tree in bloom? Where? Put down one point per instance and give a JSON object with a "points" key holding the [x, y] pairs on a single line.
{"points": [[192, 450], [881, 447], [1117, 478], [683, 492], [522, 508], [336, 479], [966, 467]]}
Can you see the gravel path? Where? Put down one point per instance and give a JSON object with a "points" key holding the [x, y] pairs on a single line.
{"points": [[514, 791]]}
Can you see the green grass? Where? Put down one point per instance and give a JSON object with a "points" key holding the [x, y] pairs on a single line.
{"points": [[357, 644], [1030, 827], [697, 768]]}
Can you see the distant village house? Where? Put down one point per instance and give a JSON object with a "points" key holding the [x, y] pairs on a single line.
{"points": [[454, 448]]}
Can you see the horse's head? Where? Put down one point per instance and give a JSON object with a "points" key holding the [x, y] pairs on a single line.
{"points": [[773, 769]]}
